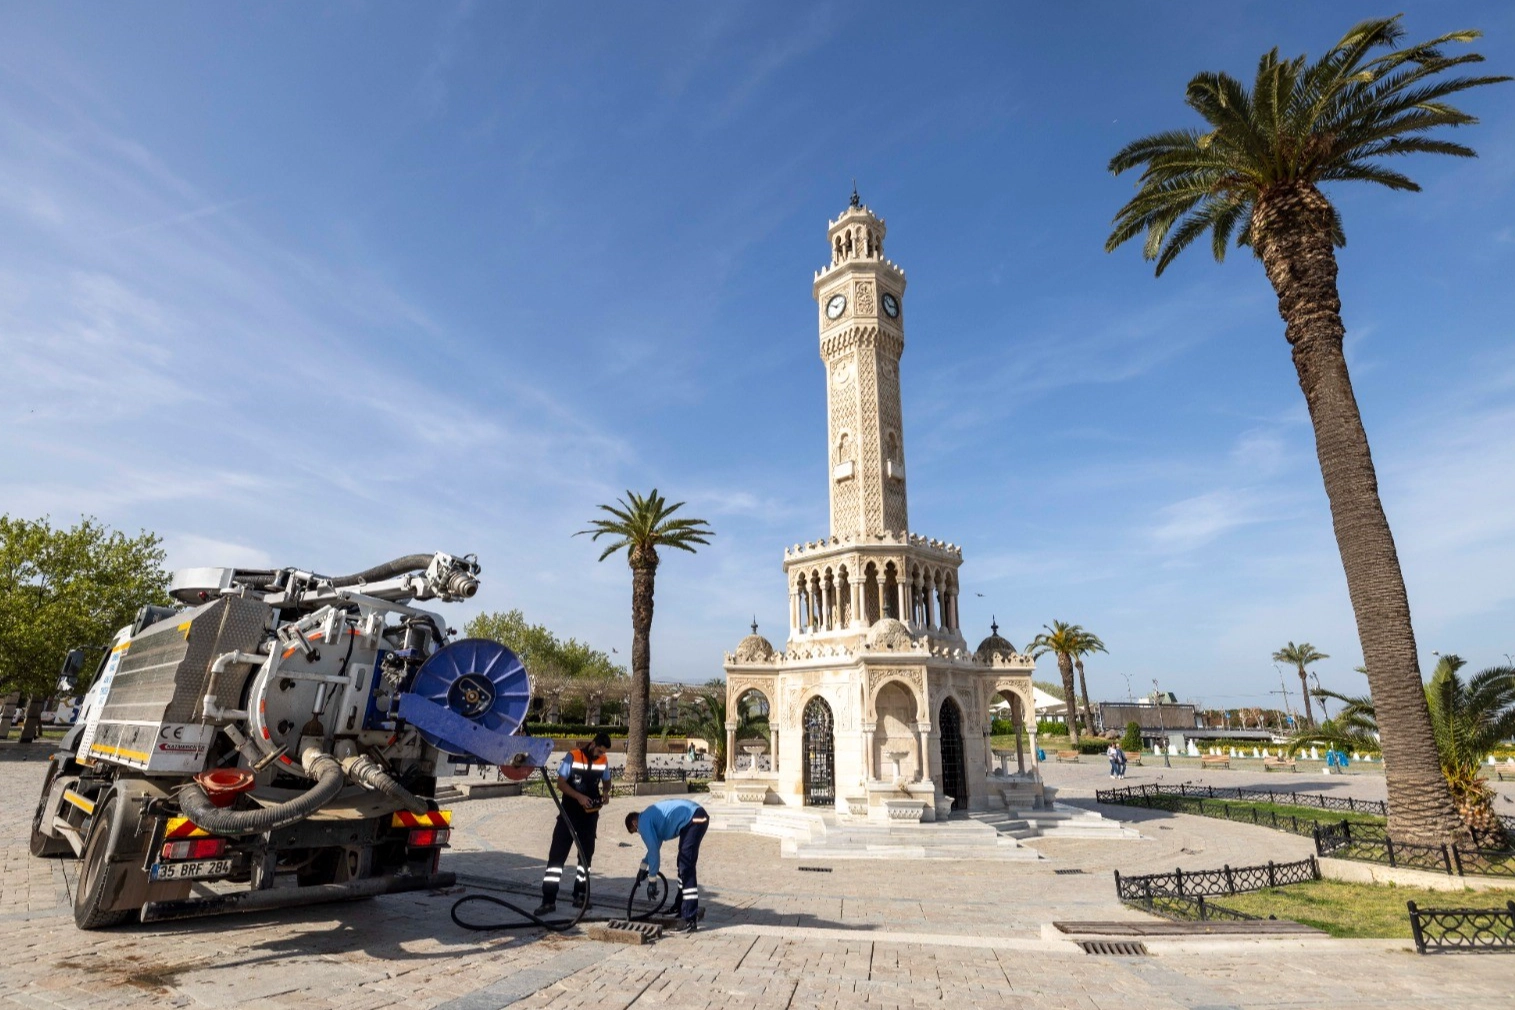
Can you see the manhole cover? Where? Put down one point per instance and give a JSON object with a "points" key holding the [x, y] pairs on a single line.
{"points": [[815, 869], [1117, 948], [1067, 872]]}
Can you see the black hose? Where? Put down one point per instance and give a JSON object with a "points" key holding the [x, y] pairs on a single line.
{"points": [[222, 821], [368, 773], [389, 569], [556, 925]]}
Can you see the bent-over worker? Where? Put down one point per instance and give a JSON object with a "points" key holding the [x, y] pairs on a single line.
{"points": [[584, 781], [665, 820]]}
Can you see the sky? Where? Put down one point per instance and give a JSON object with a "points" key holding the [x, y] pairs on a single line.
{"points": [[320, 285]]}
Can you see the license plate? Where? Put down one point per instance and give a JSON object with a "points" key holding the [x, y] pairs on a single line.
{"points": [[194, 869]]}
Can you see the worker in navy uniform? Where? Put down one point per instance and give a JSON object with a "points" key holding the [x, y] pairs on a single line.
{"points": [[584, 781], [664, 821]]}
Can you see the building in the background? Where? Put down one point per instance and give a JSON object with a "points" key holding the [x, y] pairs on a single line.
{"points": [[877, 706]]}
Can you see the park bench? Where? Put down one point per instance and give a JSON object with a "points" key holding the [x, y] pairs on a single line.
{"points": [[1272, 764], [1214, 761], [1133, 757], [1068, 755]]}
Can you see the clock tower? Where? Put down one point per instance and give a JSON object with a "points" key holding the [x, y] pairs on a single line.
{"points": [[862, 338], [876, 707]]}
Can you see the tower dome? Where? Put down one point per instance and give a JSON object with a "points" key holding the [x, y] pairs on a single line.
{"points": [[994, 646], [754, 648]]}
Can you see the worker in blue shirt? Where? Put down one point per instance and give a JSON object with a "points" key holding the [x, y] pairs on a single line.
{"points": [[584, 781], [665, 820]]}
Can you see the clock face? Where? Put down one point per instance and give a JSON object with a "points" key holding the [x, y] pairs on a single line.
{"points": [[836, 306], [891, 306]]}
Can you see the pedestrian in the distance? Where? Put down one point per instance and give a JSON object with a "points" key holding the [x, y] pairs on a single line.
{"points": [[665, 820], [1113, 755], [1120, 762]]}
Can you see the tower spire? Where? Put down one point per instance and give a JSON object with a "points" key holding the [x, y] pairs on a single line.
{"points": [[854, 202]]}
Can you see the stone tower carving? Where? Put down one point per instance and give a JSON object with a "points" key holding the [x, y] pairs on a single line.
{"points": [[860, 295]]}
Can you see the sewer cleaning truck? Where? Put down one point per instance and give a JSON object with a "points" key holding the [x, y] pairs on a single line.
{"points": [[275, 739]]}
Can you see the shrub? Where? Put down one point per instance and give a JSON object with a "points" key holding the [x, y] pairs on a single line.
{"points": [[567, 729], [1088, 746], [1132, 740], [1051, 727], [1002, 727]]}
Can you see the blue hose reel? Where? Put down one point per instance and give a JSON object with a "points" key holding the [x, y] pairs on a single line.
{"points": [[469, 698]]}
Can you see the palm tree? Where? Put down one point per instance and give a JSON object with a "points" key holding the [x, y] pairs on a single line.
{"points": [[1468, 718], [1089, 644], [640, 525], [1255, 171], [1301, 656], [1063, 640]]}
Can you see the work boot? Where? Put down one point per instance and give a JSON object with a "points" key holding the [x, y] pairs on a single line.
{"points": [[685, 926], [579, 900], [545, 908]]}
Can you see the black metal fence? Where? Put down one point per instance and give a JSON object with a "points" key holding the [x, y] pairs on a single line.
{"points": [[1226, 880], [1371, 843], [1477, 929], [1142, 796], [1184, 894]]}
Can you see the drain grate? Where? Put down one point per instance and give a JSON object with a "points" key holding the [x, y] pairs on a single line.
{"points": [[1117, 948], [650, 930], [1067, 872], [814, 869]]}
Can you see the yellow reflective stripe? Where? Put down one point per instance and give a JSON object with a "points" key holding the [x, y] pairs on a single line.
{"points": [[185, 628], [87, 805], [123, 646], [135, 755], [176, 826]]}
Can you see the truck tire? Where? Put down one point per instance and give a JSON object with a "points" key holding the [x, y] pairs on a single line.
{"points": [[42, 845], [95, 868]]}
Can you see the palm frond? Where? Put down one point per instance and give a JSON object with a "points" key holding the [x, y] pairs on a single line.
{"points": [[1301, 123]]}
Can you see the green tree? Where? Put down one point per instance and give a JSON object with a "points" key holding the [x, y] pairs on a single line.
{"points": [[65, 588], [1064, 641], [535, 644], [1469, 718], [1132, 739], [639, 525], [1300, 656], [1255, 171], [1088, 644]]}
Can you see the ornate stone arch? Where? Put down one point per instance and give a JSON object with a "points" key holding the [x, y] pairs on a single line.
{"points": [[911, 680]]}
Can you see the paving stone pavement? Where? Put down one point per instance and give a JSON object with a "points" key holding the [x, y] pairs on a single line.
{"points": [[886, 934]]}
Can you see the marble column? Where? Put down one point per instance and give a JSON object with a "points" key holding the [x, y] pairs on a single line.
{"points": [[730, 748], [773, 751], [869, 773]]}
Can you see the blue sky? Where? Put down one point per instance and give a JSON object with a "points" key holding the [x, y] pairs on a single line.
{"points": [[313, 285]]}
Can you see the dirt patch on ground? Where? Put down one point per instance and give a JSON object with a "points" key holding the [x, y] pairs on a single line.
{"points": [[134, 970]]}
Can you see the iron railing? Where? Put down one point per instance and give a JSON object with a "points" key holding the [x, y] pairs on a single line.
{"points": [[1372, 843], [1141, 796], [1226, 880], [1477, 929]]}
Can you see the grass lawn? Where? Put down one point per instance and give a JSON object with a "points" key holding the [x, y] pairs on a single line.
{"points": [[1354, 910], [1242, 811]]}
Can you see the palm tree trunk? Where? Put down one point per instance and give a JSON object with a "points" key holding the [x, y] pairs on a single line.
{"points": [[1304, 689], [1070, 696], [643, 575], [1291, 230], [1083, 687]]}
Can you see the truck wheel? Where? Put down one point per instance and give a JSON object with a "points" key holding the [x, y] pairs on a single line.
{"points": [[42, 845], [94, 873]]}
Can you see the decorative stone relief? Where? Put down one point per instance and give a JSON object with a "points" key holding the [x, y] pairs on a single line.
{"points": [[864, 298]]}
